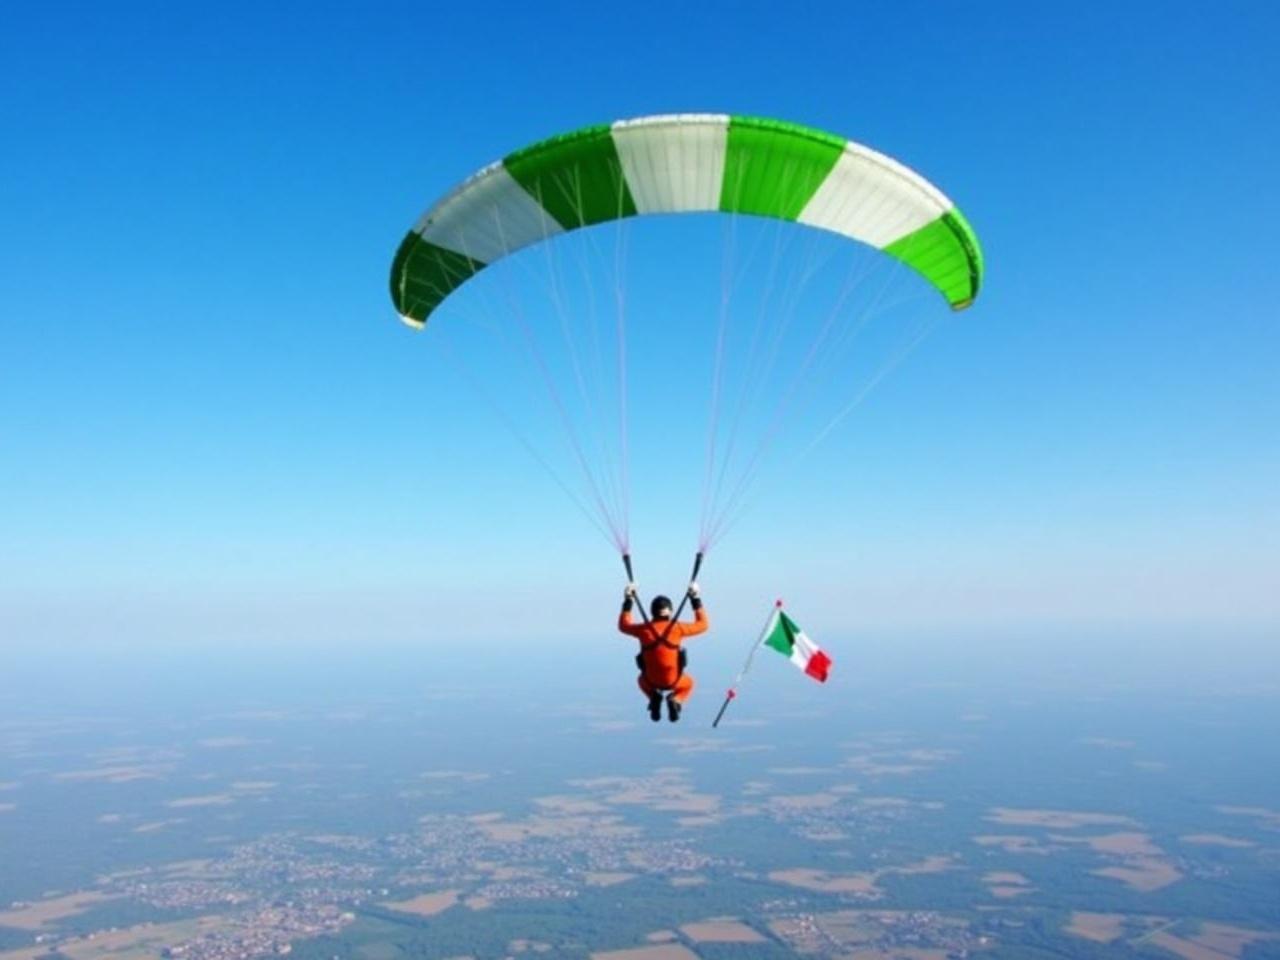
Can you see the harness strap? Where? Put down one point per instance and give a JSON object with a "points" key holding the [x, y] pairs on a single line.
{"points": [[663, 641]]}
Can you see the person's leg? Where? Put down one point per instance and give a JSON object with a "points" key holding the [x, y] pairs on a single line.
{"points": [[654, 695], [684, 687], [678, 695]]}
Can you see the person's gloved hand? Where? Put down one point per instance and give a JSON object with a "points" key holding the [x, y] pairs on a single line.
{"points": [[693, 590], [630, 591]]}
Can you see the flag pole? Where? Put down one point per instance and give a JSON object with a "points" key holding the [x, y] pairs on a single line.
{"points": [[733, 690]]}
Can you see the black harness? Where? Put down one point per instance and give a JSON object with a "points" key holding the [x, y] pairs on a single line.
{"points": [[682, 656]]}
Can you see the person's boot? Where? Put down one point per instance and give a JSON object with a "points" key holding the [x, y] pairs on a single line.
{"points": [[673, 708], [655, 707]]}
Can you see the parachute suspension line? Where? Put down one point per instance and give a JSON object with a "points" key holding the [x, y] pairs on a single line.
{"points": [[717, 376], [476, 385], [620, 332], [605, 491], [571, 431], [920, 331], [606, 517], [743, 392], [921, 334], [788, 296], [616, 452], [731, 509]]}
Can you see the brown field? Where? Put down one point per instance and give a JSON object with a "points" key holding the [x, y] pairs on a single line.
{"points": [[661, 936], [154, 825], [571, 804], [1007, 885], [25, 953], [1117, 844], [699, 821], [668, 791], [187, 868], [551, 827], [1013, 843], [426, 904], [884, 802], [608, 879], [863, 884], [1230, 940], [803, 801], [1055, 819], [860, 884], [114, 774], [1143, 874], [934, 864], [43, 913], [1007, 878], [1265, 815], [721, 930], [143, 942], [1098, 927], [1215, 840], [1222, 943], [528, 946], [206, 800], [691, 881], [1008, 893], [665, 951]]}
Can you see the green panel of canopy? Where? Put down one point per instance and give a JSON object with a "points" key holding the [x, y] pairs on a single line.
{"points": [[685, 163]]}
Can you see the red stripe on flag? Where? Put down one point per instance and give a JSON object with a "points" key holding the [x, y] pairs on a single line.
{"points": [[818, 666]]}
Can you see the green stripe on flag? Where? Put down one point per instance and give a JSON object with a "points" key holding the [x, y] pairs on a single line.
{"points": [[773, 168], [423, 274], [946, 252], [783, 635], [576, 177]]}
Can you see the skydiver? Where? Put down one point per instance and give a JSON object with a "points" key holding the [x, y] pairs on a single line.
{"points": [[662, 658]]}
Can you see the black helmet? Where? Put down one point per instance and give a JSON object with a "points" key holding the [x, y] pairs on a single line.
{"points": [[660, 606]]}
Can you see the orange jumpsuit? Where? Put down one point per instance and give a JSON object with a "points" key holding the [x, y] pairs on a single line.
{"points": [[662, 661]]}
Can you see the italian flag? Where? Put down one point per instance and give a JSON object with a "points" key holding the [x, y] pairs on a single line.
{"points": [[784, 635]]}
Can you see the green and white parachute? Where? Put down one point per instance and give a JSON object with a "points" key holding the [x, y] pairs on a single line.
{"points": [[787, 325], [685, 163]]}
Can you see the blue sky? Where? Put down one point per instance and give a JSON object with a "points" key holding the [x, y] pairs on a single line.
{"points": [[214, 431]]}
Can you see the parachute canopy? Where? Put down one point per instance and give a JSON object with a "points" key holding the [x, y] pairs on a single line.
{"points": [[685, 163]]}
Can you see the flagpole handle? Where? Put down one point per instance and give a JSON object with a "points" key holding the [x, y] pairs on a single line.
{"points": [[723, 707]]}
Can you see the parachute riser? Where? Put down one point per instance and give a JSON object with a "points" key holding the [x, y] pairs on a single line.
{"points": [[631, 578], [697, 565]]}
